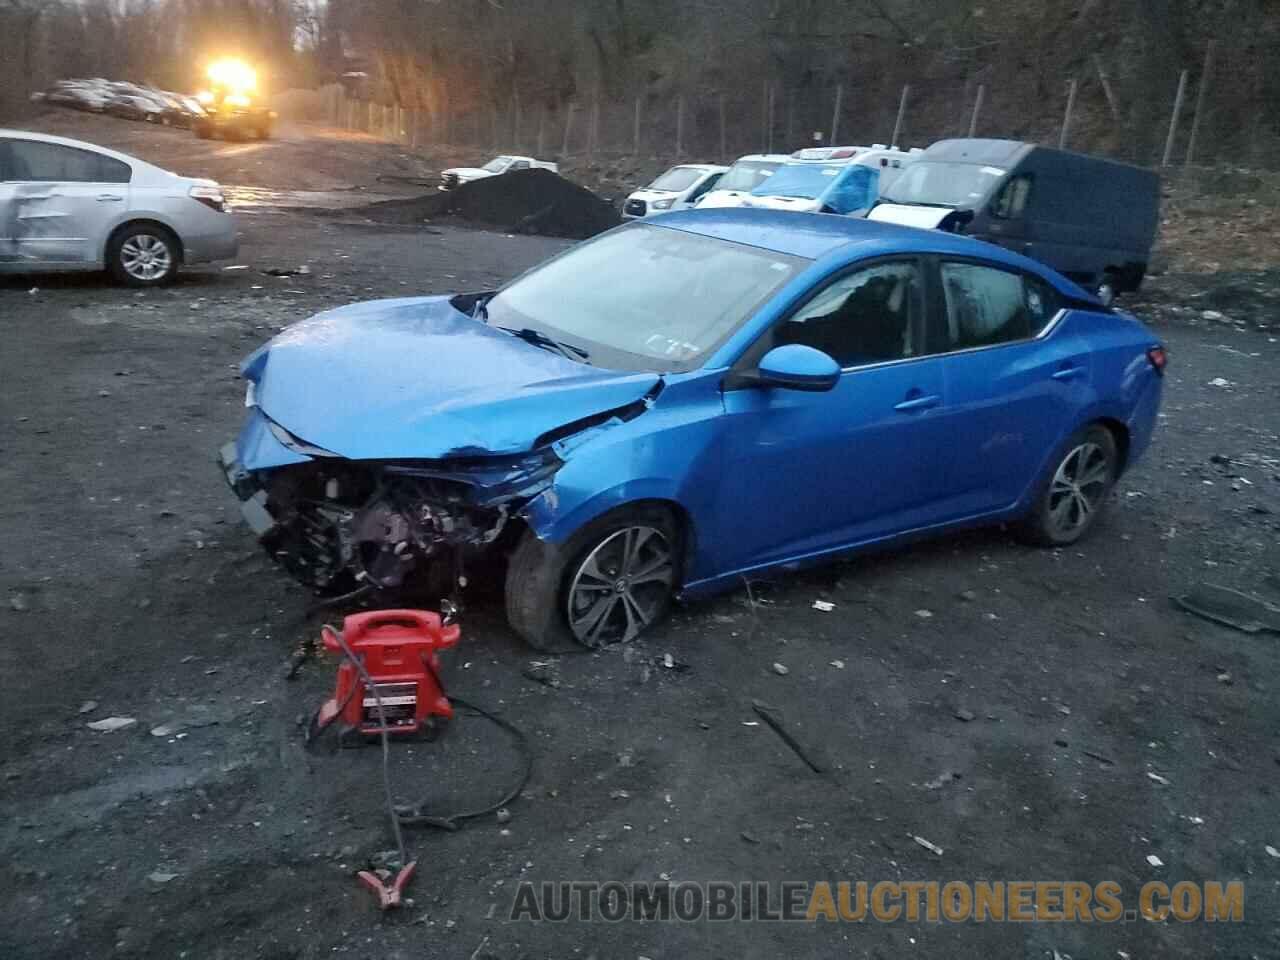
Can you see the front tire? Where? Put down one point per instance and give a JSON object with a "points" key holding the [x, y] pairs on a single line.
{"points": [[143, 255], [1074, 494], [608, 583]]}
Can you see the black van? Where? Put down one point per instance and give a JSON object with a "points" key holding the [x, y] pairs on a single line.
{"points": [[1091, 219]]}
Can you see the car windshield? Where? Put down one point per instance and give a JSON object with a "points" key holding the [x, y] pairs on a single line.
{"points": [[808, 180], [676, 179], [746, 175], [497, 164], [936, 183], [643, 297]]}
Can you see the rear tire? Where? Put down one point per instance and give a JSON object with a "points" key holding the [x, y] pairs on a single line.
{"points": [[608, 583], [143, 255], [1073, 494]]}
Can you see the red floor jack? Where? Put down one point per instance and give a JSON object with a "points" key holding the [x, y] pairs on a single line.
{"points": [[388, 686]]}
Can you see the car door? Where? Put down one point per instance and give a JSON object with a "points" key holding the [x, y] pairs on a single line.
{"points": [[1015, 379], [806, 473], [64, 199]]}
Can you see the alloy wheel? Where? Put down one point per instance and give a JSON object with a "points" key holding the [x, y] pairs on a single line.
{"points": [[621, 586], [1077, 489], [146, 257]]}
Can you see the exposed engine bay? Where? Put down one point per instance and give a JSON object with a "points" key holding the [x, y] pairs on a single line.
{"points": [[336, 525]]}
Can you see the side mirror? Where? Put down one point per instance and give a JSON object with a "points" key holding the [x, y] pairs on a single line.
{"points": [[797, 367]]}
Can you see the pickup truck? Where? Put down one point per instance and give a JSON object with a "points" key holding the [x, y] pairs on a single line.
{"points": [[455, 176]]}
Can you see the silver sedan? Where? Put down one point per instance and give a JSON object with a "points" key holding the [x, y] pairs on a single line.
{"points": [[69, 205]]}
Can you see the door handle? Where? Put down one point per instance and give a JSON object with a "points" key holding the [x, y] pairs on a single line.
{"points": [[1068, 373], [917, 403], [104, 197]]}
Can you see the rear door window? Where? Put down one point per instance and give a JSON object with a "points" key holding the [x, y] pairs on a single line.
{"points": [[39, 162], [985, 306]]}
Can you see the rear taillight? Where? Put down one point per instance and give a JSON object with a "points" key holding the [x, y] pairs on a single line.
{"points": [[211, 197], [1158, 358]]}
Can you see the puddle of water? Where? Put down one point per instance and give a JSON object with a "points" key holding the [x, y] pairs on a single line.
{"points": [[253, 199]]}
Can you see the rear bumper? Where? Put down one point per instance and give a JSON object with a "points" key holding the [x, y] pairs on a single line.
{"points": [[220, 244]]}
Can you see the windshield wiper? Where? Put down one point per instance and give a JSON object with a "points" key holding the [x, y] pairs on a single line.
{"points": [[540, 339]]}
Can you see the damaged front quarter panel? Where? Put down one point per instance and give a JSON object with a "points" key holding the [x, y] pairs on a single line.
{"points": [[336, 523]]}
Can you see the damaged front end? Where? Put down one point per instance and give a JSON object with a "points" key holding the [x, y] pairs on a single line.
{"points": [[337, 524]]}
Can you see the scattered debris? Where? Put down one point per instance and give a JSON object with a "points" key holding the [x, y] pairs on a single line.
{"points": [[780, 669], [503, 815], [924, 614], [1163, 781], [838, 664], [88, 706], [545, 672], [941, 780], [968, 595], [826, 606], [111, 724], [931, 847], [18, 603], [1154, 860], [965, 715], [236, 266], [773, 718], [166, 730], [1231, 608], [158, 876], [1272, 851], [619, 795], [1220, 382]]}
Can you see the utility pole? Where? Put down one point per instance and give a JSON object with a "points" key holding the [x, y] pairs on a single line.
{"points": [[1066, 118], [977, 109], [1201, 93], [902, 112], [1173, 120]]}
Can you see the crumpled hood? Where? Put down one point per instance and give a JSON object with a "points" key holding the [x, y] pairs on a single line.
{"points": [[908, 216], [799, 204], [415, 378], [717, 199], [468, 173]]}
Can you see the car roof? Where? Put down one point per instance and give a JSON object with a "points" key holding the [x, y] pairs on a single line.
{"points": [[813, 236], [765, 157], [711, 167]]}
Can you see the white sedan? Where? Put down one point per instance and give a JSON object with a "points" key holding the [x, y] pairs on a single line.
{"points": [[69, 205]]}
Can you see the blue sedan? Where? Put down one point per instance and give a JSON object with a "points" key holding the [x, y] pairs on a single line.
{"points": [[685, 401]]}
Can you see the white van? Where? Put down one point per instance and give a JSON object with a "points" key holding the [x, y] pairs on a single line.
{"points": [[678, 189], [745, 175]]}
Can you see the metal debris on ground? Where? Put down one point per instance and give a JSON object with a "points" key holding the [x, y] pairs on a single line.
{"points": [[826, 606], [1163, 781], [111, 724], [780, 669], [1154, 860], [773, 718], [931, 847], [1231, 608]]}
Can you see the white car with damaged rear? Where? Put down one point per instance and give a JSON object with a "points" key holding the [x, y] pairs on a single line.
{"points": [[68, 205], [678, 189], [456, 176]]}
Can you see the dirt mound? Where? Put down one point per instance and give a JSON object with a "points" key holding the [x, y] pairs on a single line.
{"points": [[526, 201]]}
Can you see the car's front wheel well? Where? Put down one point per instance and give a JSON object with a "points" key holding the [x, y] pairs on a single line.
{"points": [[143, 222]]}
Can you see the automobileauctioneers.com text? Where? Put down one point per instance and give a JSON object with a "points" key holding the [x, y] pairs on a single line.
{"points": [[886, 901]]}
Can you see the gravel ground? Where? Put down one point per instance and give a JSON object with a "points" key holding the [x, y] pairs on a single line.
{"points": [[1009, 705]]}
